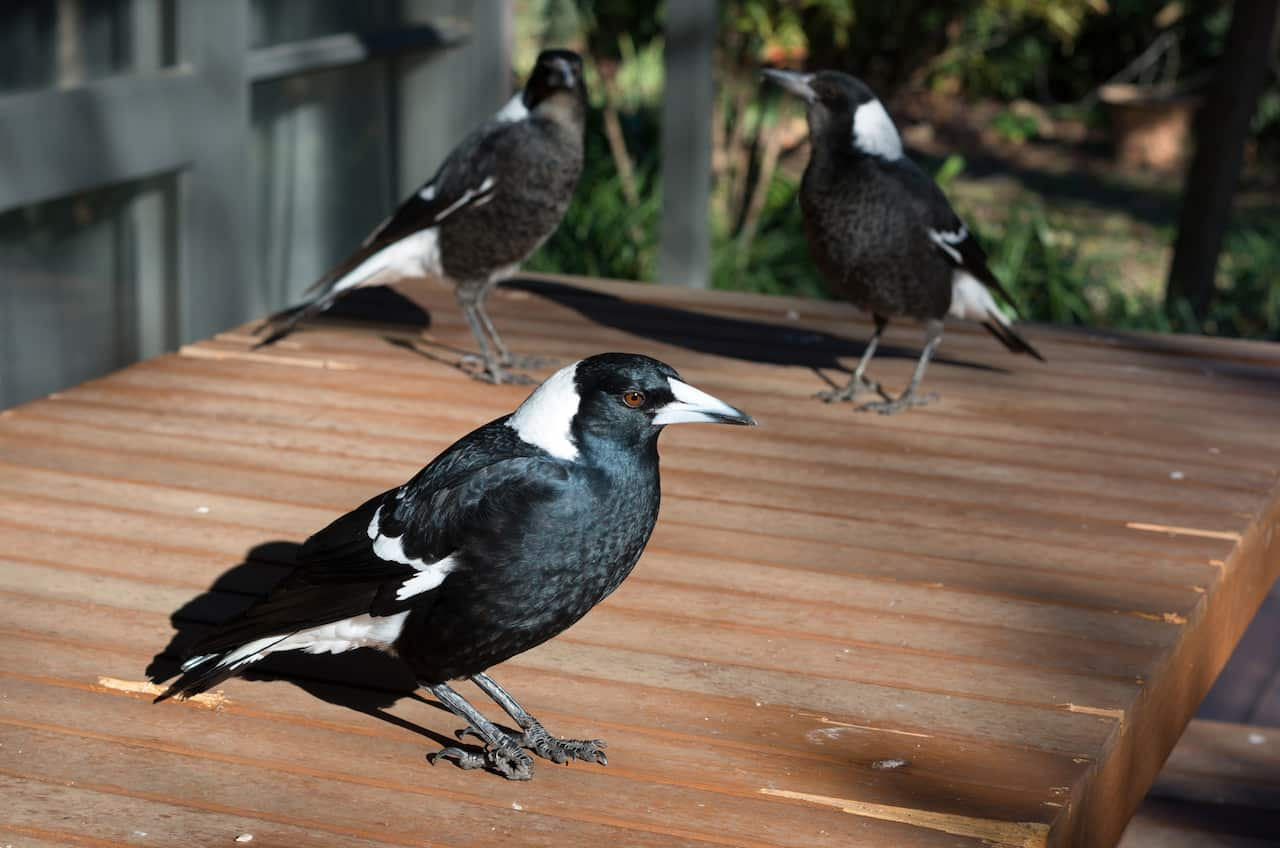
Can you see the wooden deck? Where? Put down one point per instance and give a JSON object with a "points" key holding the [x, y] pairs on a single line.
{"points": [[981, 623]]}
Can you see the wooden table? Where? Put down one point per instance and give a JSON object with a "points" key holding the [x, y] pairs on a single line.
{"points": [[981, 623]]}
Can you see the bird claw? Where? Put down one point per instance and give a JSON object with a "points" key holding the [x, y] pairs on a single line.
{"points": [[851, 391], [478, 368], [889, 407], [507, 760], [537, 739]]}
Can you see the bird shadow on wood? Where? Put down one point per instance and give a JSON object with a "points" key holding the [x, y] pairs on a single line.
{"points": [[363, 680], [380, 303], [735, 338]]}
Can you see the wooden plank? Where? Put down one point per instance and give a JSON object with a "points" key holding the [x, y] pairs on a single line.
{"points": [[109, 815], [227, 760], [981, 624], [1248, 689], [1161, 823], [212, 530], [1165, 705], [794, 493], [1221, 762], [913, 709], [819, 658]]}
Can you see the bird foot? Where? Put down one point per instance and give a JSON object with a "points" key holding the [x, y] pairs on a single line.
{"points": [[851, 391], [906, 401], [536, 738], [478, 368], [506, 759]]}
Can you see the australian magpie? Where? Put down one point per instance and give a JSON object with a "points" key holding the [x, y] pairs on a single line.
{"points": [[508, 537], [493, 202], [882, 233]]}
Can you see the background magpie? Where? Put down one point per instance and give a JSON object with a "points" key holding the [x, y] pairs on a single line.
{"points": [[496, 198], [508, 537], [882, 233]]}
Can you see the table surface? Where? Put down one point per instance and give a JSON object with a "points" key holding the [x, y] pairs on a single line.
{"points": [[984, 622]]}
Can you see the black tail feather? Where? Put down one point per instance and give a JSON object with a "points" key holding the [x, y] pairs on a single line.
{"points": [[199, 679], [1007, 336], [286, 321]]}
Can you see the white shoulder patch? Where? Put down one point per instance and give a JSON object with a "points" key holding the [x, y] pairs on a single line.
{"points": [[428, 191], [467, 196], [946, 241], [972, 301], [874, 132], [391, 549], [545, 419], [513, 111]]}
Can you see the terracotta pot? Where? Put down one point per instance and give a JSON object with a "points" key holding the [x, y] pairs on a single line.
{"points": [[1150, 126]]}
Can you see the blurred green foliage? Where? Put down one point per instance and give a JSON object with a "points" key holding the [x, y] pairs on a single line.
{"points": [[1051, 51], [602, 234]]}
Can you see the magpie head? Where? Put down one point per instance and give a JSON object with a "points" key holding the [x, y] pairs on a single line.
{"points": [[613, 401], [841, 109], [556, 76]]}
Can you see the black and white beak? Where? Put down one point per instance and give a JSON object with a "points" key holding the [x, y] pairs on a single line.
{"points": [[796, 83], [693, 405]]}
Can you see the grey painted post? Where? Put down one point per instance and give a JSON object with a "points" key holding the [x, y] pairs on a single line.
{"points": [[443, 95], [215, 277], [684, 249]]}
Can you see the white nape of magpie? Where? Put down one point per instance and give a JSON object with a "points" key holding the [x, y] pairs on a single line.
{"points": [[498, 196], [883, 234], [509, 536]]}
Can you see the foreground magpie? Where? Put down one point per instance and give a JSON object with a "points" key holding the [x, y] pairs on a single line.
{"points": [[883, 234], [493, 202], [508, 537]]}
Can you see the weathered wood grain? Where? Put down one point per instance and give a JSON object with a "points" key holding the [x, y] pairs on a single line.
{"points": [[983, 623]]}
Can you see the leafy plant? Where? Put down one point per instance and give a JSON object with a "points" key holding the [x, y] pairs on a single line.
{"points": [[1015, 127]]}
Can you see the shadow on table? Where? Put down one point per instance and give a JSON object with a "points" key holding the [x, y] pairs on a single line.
{"points": [[380, 303], [703, 332], [363, 680], [735, 338]]}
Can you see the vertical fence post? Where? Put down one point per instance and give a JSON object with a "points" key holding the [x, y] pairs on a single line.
{"points": [[684, 249], [216, 284]]}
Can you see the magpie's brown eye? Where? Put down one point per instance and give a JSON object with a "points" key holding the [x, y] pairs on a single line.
{"points": [[633, 399]]}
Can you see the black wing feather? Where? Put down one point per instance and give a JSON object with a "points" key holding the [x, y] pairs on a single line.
{"points": [[462, 493], [938, 216], [455, 187]]}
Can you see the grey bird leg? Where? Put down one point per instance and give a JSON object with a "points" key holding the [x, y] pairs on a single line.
{"points": [[908, 399], [535, 736], [858, 383], [471, 298], [502, 754], [505, 357]]}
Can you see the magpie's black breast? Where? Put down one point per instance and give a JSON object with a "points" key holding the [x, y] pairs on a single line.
{"points": [[868, 237], [535, 571]]}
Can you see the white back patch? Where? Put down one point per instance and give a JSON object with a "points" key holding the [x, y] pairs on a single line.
{"points": [[416, 255], [874, 132], [514, 110], [360, 631], [545, 419], [972, 301]]}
